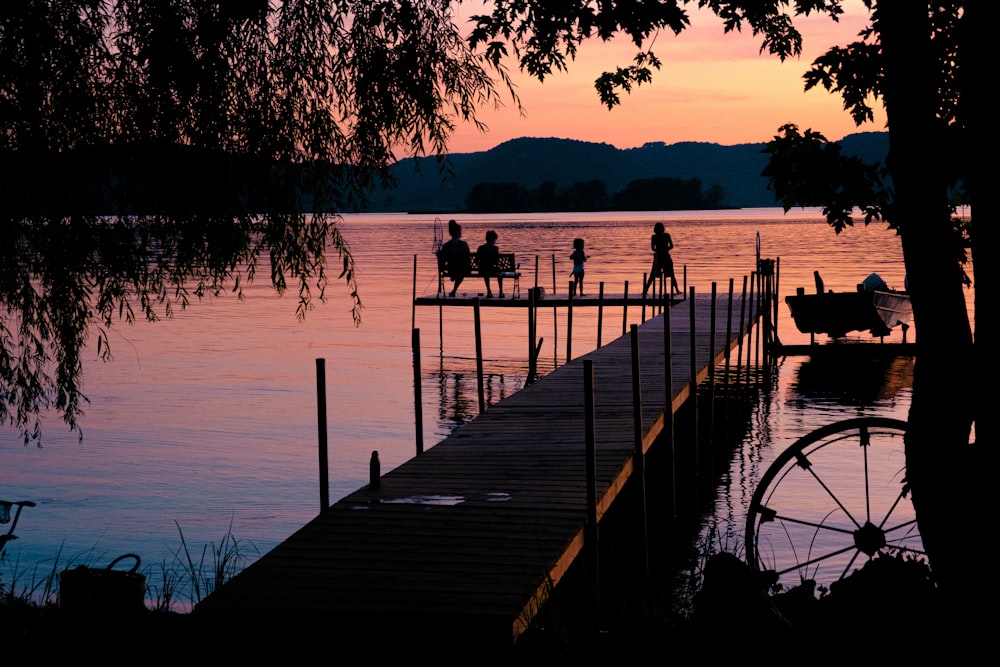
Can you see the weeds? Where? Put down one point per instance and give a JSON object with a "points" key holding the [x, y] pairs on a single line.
{"points": [[167, 583], [227, 559]]}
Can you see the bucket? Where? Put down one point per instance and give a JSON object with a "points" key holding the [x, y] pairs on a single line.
{"points": [[103, 590]]}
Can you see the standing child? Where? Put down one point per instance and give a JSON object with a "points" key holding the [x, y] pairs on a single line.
{"points": [[578, 257]]}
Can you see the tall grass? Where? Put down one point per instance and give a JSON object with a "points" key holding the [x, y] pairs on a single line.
{"points": [[217, 564], [182, 583]]}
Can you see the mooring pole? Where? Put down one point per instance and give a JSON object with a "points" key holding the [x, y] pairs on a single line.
{"points": [[591, 538], [569, 324], [668, 415], [638, 455], [743, 335], [600, 313], [532, 334], [725, 376], [413, 300], [324, 473], [479, 356], [714, 302], [625, 310], [417, 395], [694, 399]]}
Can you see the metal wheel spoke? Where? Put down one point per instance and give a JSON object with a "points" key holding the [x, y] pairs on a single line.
{"points": [[834, 497], [813, 524], [816, 560]]}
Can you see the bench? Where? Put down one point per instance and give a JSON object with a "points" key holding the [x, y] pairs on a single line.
{"points": [[507, 269]]}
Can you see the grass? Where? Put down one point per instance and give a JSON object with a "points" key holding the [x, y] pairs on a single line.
{"points": [[182, 583]]}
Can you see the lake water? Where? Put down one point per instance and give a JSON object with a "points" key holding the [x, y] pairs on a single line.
{"points": [[207, 422]]}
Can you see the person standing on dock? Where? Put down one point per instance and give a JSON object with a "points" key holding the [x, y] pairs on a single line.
{"points": [[579, 257], [457, 257], [488, 255], [663, 263]]}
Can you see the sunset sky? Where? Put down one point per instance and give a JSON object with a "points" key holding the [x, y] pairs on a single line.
{"points": [[712, 87]]}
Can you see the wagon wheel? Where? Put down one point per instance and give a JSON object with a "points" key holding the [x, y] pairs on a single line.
{"points": [[832, 500]]}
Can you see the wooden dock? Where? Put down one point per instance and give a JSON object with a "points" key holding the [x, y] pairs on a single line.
{"points": [[473, 534]]}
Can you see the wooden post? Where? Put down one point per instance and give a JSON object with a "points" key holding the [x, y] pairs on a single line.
{"points": [[479, 356], [750, 300], [555, 317], [645, 279], [413, 300], [694, 400], [591, 536], [638, 455], [743, 333], [625, 311], [324, 473], [417, 394], [569, 324], [710, 440], [600, 313], [532, 295], [668, 416], [725, 376], [374, 471]]}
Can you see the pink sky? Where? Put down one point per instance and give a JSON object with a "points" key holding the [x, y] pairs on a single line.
{"points": [[712, 87]]}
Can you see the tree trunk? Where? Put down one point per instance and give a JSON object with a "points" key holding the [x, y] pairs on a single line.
{"points": [[978, 71], [939, 468]]}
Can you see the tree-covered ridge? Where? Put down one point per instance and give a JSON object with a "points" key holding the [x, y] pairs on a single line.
{"points": [[647, 194]]}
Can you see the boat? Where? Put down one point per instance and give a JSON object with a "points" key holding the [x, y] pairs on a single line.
{"points": [[893, 307], [873, 307]]}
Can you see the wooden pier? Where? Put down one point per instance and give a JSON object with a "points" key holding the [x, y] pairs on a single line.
{"points": [[471, 536]]}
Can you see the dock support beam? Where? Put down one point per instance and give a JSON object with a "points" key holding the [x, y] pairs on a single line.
{"points": [[324, 472], [590, 530], [639, 456]]}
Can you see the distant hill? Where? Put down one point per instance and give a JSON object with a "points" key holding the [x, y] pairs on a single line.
{"points": [[531, 162]]}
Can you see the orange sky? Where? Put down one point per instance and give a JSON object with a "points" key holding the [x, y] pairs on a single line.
{"points": [[712, 87]]}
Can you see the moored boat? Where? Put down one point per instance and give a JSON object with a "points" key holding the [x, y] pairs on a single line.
{"points": [[873, 307]]}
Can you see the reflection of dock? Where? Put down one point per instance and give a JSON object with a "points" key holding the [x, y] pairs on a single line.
{"points": [[467, 540]]}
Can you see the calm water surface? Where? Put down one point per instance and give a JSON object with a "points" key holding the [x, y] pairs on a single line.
{"points": [[208, 421]]}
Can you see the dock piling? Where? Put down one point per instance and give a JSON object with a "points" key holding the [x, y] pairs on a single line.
{"points": [[324, 473], [638, 455], [479, 356], [417, 395]]}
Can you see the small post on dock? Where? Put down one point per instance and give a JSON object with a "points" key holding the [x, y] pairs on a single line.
{"points": [[324, 473], [645, 279], [600, 313], [479, 356], [725, 375], [413, 300], [668, 416], [694, 398], [374, 471], [590, 538], [743, 333], [569, 324], [638, 455], [532, 334], [750, 300], [417, 394], [711, 379], [625, 310]]}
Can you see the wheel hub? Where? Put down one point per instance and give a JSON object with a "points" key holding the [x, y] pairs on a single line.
{"points": [[869, 539]]}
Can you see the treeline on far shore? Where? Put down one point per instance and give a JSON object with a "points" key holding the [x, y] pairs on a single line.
{"points": [[647, 194]]}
